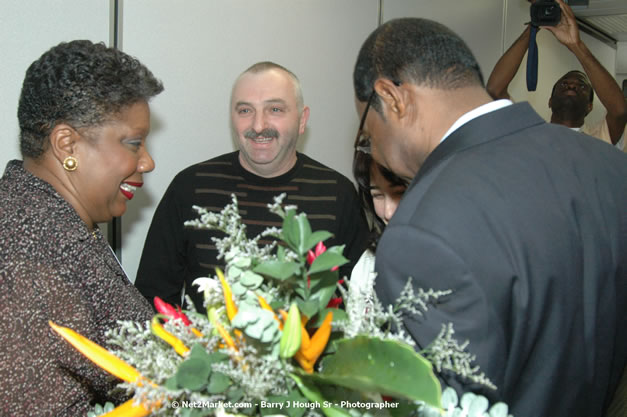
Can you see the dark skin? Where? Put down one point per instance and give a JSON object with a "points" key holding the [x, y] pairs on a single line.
{"points": [[570, 101], [600, 80]]}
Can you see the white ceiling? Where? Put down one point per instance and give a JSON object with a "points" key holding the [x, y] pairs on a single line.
{"points": [[607, 16]]}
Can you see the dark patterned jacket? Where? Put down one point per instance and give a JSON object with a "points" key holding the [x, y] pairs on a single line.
{"points": [[53, 268]]}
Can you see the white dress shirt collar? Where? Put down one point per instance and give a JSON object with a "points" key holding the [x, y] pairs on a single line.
{"points": [[474, 113]]}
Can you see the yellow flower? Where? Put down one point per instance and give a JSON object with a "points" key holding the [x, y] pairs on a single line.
{"points": [[98, 355], [169, 338], [128, 409]]}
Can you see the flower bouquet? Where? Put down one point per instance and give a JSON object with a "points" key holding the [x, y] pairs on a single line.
{"points": [[277, 341]]}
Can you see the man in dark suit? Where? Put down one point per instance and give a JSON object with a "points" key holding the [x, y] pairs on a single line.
{"points": [[525, 221]]}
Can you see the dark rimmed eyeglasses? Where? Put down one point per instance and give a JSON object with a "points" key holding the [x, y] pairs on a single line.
{"points": [[362, 140]]}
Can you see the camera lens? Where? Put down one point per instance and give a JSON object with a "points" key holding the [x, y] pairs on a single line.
{"points": [[545, 13]]}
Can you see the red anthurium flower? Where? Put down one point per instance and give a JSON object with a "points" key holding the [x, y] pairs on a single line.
{"points": [[318, 250], [334, 302], [311, 256], [182, 316], [167, 309]]}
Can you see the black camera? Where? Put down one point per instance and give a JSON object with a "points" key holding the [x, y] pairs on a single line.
{"points": [[545, 13]]}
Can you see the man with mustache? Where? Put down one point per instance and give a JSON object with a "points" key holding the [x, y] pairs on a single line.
{"points": [[573, 94], [268, 115]]}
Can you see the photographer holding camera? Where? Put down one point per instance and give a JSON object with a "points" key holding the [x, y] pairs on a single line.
{"points": [[572, 95]]}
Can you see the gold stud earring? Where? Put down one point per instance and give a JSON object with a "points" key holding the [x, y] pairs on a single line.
{"points": [[70, 163]]}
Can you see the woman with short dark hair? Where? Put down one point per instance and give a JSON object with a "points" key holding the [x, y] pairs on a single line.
{"points": [[84, 118]]}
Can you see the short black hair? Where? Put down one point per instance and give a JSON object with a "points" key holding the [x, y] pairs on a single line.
{"points": [[80, 83], [414, 50], [363, 163]]}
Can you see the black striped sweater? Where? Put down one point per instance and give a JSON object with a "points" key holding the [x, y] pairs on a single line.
{"points": [[174, 255]]}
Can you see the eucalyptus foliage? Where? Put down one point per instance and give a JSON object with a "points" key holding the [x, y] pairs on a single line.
{"points": [[368, 356]]}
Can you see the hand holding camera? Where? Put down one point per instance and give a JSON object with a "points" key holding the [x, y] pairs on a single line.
{"points": [[558, 18], [545, 13]]}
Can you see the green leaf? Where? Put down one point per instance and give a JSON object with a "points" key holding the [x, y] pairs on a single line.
{"points": [[256, 322], [251, 280], [216, 357], [304, 232], [246, 316], [171, 383], [406, 408], [301, 291], [308, 308], [280, 253], [310, 391], [242, 262], [478, 406], [326, 278], [339, 249], [193, 374], [326, 261], [449, 398], [198, 351], [323, 286], [238, 289], [233, 272], [338, 315], [278, 270], [466, 400], [315, 237], [499, 410], [296, 231], [374, 365], [198, 315], [271, 334], [218, 383], [235, 393], [255, 330]]}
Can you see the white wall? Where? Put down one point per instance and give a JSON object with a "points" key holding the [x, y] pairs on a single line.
{"points": [[27, 30], [478, 22], [554, 60], [199, 47], [621, 61]]}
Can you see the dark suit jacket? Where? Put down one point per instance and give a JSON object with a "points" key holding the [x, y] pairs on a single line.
{"points": [[527, 223]]}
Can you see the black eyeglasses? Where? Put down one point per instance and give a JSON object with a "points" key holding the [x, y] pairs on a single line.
{"points": [[362, 140]]}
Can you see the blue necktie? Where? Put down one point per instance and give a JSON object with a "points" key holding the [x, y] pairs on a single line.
{"points": [[532, 60]]}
